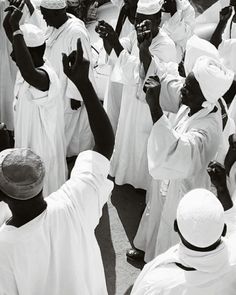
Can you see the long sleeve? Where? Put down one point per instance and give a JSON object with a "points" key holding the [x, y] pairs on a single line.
{"points": [[175, 155]]}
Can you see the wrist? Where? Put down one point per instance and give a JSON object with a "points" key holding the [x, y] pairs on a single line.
{"points": [[15, 28]]}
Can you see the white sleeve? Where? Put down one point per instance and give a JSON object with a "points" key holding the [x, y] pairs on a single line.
{"points": [[88, 187], [7, 283], [172, 155]]}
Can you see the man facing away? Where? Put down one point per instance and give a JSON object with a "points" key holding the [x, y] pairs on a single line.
{"points": [[38, 107], [48, 246], [203, 262]]}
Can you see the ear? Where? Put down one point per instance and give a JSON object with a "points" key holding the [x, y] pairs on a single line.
{"points": [[224, 231], [176, 228]]}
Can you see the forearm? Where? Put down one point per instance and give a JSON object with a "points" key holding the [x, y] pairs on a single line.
{"points": [[23, 57], [156, 113], [216, 38], [98, 120], [118, 47], [7, 27], [145, 58], [30, 7], [224, 197]]}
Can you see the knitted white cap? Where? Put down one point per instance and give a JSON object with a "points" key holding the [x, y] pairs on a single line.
{"points": [[53, 4]]}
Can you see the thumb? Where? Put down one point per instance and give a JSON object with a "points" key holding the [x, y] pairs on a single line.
{"points": [[65, 62]]}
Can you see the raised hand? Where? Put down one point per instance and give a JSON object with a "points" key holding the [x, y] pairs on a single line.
{"points": [[144, 34], [225, 14], [217, 174], [15, 10], [76, 67], [169, 6], [106, 31], [230, 158]]}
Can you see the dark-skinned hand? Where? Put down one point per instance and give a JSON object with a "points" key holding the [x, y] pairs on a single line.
{"points": [[16, 14], [76, 68], [231, 155], [217, 174], [152, 89], [225, 14], [144, 34]]}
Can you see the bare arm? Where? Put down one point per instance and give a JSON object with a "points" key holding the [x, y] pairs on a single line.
{"points": [[100, 125], [35, 77]]}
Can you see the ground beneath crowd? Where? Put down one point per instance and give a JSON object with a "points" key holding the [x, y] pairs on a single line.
{"points": [[123, 211]]}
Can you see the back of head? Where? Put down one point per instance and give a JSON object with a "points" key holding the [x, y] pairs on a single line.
{"points": [[200, 218], [21, 173]]}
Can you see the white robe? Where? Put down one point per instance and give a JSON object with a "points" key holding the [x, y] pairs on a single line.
{"points": [[177, 164], [8, 69], [39, 125], [129, 161], [180, 26], [214, 274], [64, 40]]}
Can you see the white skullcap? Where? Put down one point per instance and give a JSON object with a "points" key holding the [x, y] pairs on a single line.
{"points": [[21, 173], [149, 7], [195, 48], [227, 51], [53, 4], [213, 77], [33, 36], [200, 218]]}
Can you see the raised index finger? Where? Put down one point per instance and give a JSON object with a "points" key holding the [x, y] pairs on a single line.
{"points": [[80, 52]]}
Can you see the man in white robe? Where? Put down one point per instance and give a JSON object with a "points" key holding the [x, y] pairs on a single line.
{"points": [[194, 140], [178, 21], [8, 69], [38, 108], [63, 32], [48, 246], [147, 232], [129, 161], [204, 262]]}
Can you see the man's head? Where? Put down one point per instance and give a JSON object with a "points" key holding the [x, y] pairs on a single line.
{"points": [[35, 42], [167, 5], [209, 79], [21, 174], [200, 220], [149, 10], [54, 12]]}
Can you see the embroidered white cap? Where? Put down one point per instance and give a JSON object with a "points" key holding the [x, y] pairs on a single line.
{"points": [[149, 7], [21, 173], [53, 4]]}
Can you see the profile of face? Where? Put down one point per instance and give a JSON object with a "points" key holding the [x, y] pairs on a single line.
{"points": [[191, 94], [52, 16]]}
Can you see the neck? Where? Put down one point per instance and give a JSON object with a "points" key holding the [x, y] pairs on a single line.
{"points": [[62, 20], [39, 63], [25, 211], [194, 111]]}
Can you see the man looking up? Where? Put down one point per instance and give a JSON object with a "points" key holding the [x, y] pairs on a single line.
{"points": [[62, 34], [48, 246]]}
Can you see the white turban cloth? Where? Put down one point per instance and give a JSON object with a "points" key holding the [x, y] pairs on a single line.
{"points": [[213, 77], [21, 173], [53, 4], [227, 50], [200, 218], [33, 35], [195, 48], [149, 7]]}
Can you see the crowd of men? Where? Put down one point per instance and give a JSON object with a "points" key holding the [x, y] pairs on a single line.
{"points": [[166, 125]]}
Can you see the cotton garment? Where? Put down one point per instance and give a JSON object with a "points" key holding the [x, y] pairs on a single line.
{"points": [[180, 26], [214, 275], [8, 69], [64, 40], [39, 125], [129, 160], [57, 252]]}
